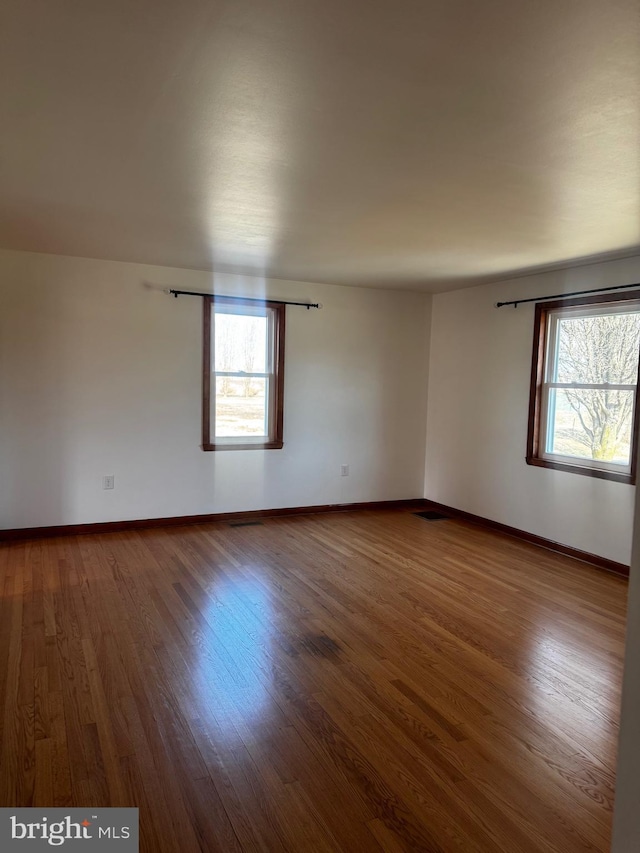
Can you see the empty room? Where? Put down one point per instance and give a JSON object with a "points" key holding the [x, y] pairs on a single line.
{"points": [[319, 425]]}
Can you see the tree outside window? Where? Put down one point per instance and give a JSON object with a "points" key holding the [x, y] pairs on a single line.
{"points": [[584, 386]]}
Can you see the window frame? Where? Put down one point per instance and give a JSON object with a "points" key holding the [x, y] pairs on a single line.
{"points": [[538, 401], [275, 405]]}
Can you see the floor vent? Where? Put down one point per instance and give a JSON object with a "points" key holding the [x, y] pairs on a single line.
{"points": [[431, 515], [244, 523]]}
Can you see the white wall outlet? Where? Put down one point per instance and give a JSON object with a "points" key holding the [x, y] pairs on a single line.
{"points": [[109, 482], [344, 470]]}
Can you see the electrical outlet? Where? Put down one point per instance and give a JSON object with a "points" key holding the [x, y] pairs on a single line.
{"points": [[344, 470], [109, 482]]}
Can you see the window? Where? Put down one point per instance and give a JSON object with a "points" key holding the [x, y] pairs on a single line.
{"points": [[583, 412], [243, 374]]}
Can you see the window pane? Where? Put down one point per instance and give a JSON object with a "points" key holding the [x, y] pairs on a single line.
{"points": [[599, 348], [240, 342], [590, 424], [240, 407]]}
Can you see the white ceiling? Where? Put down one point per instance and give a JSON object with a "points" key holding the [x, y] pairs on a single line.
{"points": [[416, 143]]}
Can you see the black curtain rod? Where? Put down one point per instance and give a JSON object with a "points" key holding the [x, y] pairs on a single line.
{"points": [[517, 302], [307, 305]]}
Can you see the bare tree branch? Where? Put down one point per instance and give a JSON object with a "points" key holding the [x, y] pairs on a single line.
{"points": [[597, 350]]}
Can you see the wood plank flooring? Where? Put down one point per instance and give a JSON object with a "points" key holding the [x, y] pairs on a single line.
{"points": [[359, 681]]}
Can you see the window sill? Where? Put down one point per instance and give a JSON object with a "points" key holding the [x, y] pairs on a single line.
{"points": [[267, 445], [617, 477]]}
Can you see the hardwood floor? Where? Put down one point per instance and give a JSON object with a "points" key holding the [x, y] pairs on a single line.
{"points": [[358, 681]]}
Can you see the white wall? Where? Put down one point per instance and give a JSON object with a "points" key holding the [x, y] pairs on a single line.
{"points": [[479, 375], [626, 822], [101, 375]]}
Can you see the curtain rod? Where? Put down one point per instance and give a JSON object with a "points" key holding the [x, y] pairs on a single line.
{"points": [[306, 305], [516, 302]]}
